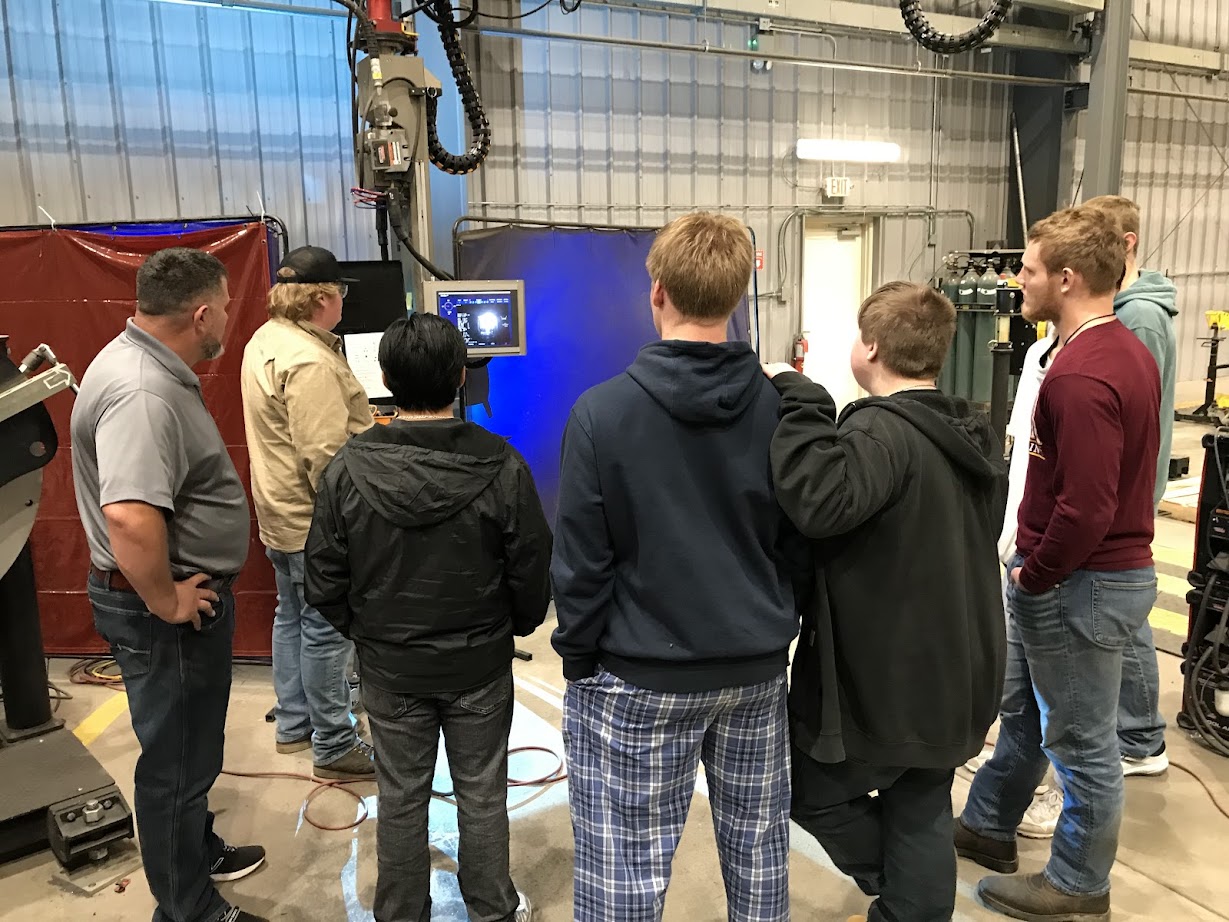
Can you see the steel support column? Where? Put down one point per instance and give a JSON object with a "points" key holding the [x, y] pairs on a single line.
{"points": [[1044, 133], [1106, 118]]}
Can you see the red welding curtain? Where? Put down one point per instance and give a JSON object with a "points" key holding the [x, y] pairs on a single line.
{"points": [[75, 290]]}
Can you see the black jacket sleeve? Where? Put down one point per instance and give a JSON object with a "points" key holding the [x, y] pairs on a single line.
{"points": [[527, 549], [582, 571], [326, 577], [829, 482]]}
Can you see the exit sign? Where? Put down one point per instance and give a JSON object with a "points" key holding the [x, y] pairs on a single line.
{"points": [[838, 186]]}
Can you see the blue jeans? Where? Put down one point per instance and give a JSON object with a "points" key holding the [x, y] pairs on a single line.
{"points": [[1060, 702], [178, 684], [1141, 728], [310, 660]]}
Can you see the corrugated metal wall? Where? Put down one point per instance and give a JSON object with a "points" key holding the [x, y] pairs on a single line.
{"points": [[641, 136], [120, 110], [138, 110], [1189, 23], [1175, 167]]}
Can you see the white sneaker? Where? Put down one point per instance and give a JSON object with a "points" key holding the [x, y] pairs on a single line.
{"points": [[1151, 766], [524, 909], [975, 763], [1041, 819]]}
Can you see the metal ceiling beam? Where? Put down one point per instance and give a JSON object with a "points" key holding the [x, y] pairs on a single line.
{"points": [[761, 55], [1070, 7], [1215, 62], [851, 16]]}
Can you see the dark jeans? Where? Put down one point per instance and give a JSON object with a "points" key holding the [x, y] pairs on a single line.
{"points": [[897, 846], [406, 732], [178, 684]]}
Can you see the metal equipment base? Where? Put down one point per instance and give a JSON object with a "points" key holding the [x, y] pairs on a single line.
{"points": [[55, 795], [8, 735]]}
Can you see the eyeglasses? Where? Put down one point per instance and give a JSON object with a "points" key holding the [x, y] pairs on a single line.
{"points": [[343, 289]]}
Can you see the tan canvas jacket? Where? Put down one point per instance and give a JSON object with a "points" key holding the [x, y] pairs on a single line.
{"points": [[301, 402]]}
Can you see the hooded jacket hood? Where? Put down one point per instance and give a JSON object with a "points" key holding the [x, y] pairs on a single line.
{"points": [[419, 474], [961, 432], [700, 383], [1154, 287]]}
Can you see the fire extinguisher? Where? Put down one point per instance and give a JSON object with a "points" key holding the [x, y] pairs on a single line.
{"points": [[801, 348]]}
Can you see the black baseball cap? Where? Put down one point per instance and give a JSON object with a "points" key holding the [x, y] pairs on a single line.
{"points": [[310, 265]]}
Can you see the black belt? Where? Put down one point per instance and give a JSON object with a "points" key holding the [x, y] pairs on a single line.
{"points": [[115, 581]]}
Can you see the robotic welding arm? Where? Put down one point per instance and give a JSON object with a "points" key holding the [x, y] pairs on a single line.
{"points": [[29, 441]]}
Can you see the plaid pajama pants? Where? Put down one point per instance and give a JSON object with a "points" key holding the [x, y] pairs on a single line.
{"points": [[632, 757]]}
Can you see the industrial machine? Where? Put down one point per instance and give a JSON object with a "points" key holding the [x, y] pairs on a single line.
{"points": [[395, 108], [1205, 666], [933, 40], [54, 793], [1211, 411], [992, 336], [490, 315]]}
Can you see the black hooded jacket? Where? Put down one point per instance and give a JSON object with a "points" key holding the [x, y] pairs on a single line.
{"points": [[429, 549], [674, 565], [905, 499]]}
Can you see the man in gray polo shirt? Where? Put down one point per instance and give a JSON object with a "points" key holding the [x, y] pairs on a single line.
{"points": [[168, 528]]}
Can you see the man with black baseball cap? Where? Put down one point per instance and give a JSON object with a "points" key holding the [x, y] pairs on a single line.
{"points": [[301, 402]]}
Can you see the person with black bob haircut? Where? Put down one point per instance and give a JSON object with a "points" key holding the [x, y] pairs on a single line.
{"points": [[423, 360], [430, 550]]}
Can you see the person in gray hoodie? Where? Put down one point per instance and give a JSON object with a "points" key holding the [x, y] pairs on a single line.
{"points": [[1146, 306]]}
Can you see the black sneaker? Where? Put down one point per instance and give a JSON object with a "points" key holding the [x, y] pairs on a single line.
{"points": [[236, 864], [238, 915]]}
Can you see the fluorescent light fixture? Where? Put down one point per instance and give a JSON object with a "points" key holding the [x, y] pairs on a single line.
{"points": [[832, 149]]}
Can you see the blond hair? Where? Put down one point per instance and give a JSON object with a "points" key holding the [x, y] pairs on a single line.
{"points": [[1088, 241], [704, 262], [298, 301], [1122, 210], [913, 326]]}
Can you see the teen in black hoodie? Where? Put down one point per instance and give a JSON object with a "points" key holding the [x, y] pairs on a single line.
{"points": [[429, 549], [905, 497], [675, 598]]}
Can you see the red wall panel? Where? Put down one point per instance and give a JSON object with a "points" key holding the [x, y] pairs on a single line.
{"points": [[74, 290]]}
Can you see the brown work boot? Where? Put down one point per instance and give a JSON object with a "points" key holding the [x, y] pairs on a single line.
{"points": [[359, 764], [304, 743], [991, 854], [1034, 899]]}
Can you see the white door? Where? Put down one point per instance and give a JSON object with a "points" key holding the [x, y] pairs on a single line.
{"points": [[835, 280]]}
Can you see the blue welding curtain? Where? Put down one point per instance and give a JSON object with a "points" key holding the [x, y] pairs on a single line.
{"points": [[587, 315]]}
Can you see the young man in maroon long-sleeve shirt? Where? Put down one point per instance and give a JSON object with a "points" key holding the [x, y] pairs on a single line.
{"points": [[1082, 582]]}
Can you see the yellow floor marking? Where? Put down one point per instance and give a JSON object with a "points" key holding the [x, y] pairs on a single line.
{"points": [[1172, 585], [103, 716], [1168, 621], [1172, 556]]}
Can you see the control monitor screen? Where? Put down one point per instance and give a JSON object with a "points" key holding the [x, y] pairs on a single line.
{"points": [[490, 315]]}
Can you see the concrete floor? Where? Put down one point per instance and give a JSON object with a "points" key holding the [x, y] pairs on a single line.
{"points": [[1171, 862]]}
